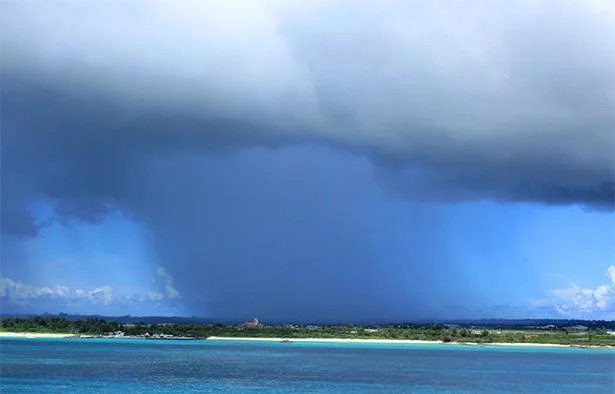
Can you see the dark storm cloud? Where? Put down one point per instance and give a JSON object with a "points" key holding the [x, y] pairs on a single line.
{"points": [[469, 100], [481, 100]]}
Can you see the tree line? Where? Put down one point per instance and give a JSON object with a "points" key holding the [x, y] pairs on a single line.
{"points": [[101, 326]]}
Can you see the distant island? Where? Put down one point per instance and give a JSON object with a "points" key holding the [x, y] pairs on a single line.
{"points": [[557, 332]]}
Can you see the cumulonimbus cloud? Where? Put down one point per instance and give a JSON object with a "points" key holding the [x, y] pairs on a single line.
{"points": [[115, 105], [467, 100]]}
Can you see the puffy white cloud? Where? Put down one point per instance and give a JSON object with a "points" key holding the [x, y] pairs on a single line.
{"points": [[19, 292], [170, 292], [576, 301], [100, 295], [610, 273], [155, 296], [603, 296], [166, 291]]}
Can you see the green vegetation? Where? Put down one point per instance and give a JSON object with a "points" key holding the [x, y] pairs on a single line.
{"points": [[53, 324], [596, 336]]}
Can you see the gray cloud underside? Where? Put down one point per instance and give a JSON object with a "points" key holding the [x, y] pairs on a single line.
{"points": [[469, 100]]}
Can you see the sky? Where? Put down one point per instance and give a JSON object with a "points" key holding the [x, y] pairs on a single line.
{"points": [[324, 161]]}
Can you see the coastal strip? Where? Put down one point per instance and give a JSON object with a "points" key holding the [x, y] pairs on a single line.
{"points": [[340, 340], [5, 334], [34, 335], [385, 341]]}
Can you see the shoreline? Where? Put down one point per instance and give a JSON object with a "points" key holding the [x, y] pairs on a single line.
{"points": [[35, 335], [402, 342], [7, 334], [317, 340]]}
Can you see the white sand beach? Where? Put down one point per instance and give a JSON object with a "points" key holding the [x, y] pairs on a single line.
{"points": [[340, 340], [33, 335], [381, 341], [520, 344]]}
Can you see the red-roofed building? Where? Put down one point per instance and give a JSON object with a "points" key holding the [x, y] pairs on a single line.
{"points": [[254, 323]]}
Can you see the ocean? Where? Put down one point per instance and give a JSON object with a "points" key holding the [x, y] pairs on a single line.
{"points": [[148, 366]]}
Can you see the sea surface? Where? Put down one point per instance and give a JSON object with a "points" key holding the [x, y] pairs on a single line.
{"points": [[156, 366]]}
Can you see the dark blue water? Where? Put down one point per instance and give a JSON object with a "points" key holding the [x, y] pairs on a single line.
{"points": [[142, 366]]}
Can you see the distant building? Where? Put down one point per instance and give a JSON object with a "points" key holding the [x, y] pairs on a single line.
{"points": [[610, 332], [254, 323], [577, 328], [162, 336]]}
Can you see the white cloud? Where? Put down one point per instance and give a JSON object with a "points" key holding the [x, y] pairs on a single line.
{"points": [[610, 273], [170, 292], [155, 296], [19, 292], [576, 301], [167, 290], [603, 296], [100, 295]]}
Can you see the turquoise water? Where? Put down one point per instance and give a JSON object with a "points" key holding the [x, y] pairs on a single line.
{"points": [[146, 366]]}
